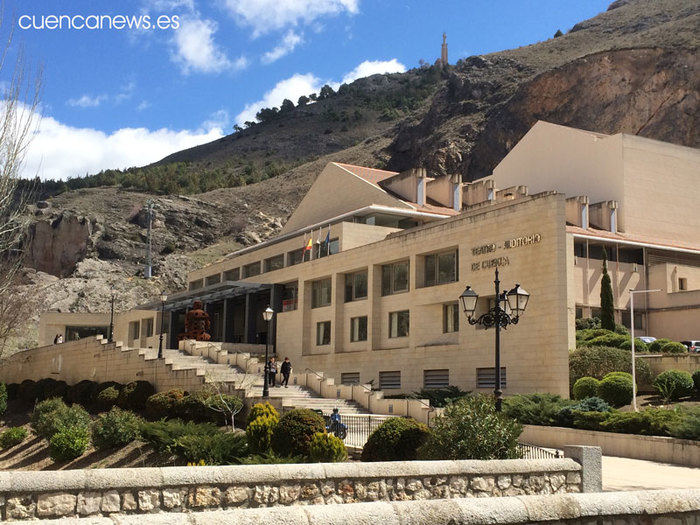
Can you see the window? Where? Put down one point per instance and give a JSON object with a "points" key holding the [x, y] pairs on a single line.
{"points": [[579, 312], [196, 285], [134, 330], [290, 295], [395, 278], [632, 255], [148, 327], [486, 377], [450, 318], [213, 279], [580, 249], [232, 275], [252, 269], [358, 329], [356, 286], [324, 249], [323, 333], [682, 284], [440, 268], [295, 257], [398, 324], [389, 380], [638, 319], [274, 263], [321, 293], [350, 378], [436, 378]]}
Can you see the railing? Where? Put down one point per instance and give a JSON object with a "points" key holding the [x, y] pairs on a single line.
{"points": [[534, 452], [360, 426]]}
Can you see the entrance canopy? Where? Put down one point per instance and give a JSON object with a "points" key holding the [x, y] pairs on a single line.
{"points": [[208, 294]]}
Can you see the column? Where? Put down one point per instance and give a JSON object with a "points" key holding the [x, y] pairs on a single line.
{"points": [[276, 293], [249, 333]]}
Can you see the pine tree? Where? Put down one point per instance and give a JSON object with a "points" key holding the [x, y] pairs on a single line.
{"points": [[607, 308]]}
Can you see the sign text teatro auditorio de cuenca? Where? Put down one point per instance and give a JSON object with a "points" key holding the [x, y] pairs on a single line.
{"points": [[508, 244]]}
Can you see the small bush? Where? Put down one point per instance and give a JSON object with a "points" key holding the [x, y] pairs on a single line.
{"points": [[28, 391], [397, 439], [115, 428], [587, 323], [616, 389], [163, 435], [220, 448], [106, 399], [656, 346], [585, 387], [472, 429], [262, 409], [164, 404], [82, 393], [133, 395], [597, 361], [259, 433], [3, 398], [50, 388], [674, 348], [650, 421], [292, 435], [223, 408], [327, 448], [674, 384], [52, 415], [590, 404], [588, 420], [69, 443], [535, 409], [609, 339], [687, 426], [639, 345], [696, 380], [12, 436]]}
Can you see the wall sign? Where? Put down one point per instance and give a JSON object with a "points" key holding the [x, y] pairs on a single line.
{"points": [[508, 244]]}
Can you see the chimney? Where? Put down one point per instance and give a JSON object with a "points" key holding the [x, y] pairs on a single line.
{"points": [[421, 188], [456, 181]]}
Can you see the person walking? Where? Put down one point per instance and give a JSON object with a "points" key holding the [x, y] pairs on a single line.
{"points": [[272, 371], [286, 369]]}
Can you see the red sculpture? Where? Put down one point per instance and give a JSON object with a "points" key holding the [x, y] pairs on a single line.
{"points": [[196, 324]]}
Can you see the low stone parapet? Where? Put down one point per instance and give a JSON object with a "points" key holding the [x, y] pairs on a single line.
{"points": [[56, 494]]}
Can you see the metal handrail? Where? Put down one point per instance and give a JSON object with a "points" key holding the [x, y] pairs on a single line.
{"points": [[320, 376]]}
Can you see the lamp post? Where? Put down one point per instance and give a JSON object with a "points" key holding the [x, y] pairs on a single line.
{"points": [[163, 298], [634, 367], [267, 315], [514, 303], [112, 292]]}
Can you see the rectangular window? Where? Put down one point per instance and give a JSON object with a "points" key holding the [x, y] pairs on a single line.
{"points": [[213, 279], [388, 380], [134, 329], [486, 377], [355, 286], [323, 333], [295, 257], [232, 275], [324, 249], [395, 278], [148, 327], [450, 318], [441, 268], [274, 263], [350, 378], [321, 293], [196, 285], [579, 312], [290, 295], [682, 284], [436, 378], [358, 329], [251, 270], [398, 324]]}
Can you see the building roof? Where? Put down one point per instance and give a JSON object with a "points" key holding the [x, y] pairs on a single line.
{"points": [[632, 239]]}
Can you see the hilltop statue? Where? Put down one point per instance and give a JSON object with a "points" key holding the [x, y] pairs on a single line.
{"points": [[443, 54], [196, 324]]}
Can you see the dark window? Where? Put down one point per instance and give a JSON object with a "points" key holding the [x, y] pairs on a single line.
{"points": [[398, 323], [486, 377], [580, 249], [321, 293], [232, 275], [196, 285], [213, 279], [134, 329], [395, 278], [350, 378], [356, 286], [295, 257], [440, 268], [251, 270], [682, 284], [358, 329], [630, 255], [290, 297], [274, 263], [579, 312], [323, 333], [595, 251], [638, 319], [450, 318], [148, 326], [324, 249], [389, 380], [436, 378]]}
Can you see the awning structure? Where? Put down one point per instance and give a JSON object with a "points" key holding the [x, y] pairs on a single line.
{"points": [[208, 294]]}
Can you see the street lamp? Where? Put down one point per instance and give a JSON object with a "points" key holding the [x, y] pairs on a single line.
{"points": [[110, 336], [634, 368], [267, 315], [514, 304], [163, 298]]}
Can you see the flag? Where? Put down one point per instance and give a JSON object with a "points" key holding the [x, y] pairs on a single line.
{"points": [[328, 240], [309, 244]]}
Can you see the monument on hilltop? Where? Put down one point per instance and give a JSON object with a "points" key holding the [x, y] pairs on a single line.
{"points": [[443, 54]]}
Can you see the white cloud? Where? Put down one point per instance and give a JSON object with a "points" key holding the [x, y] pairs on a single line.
{"points": [[58, 151], [87, 101], [264, 16], [145, 104], [197, 51], [289, 42], [291, 88], [374, 67]]}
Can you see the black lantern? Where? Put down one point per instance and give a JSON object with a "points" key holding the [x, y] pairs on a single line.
{"points": [[468, 300], [517, 300]]}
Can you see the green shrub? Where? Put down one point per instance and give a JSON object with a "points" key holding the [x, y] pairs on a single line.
{"points": [[28, 391], [82, 393], [52, 415], [656, 346], [472, 429], [437, 397], [208, 405], [49, 388], [69, 442], [292, 435], [609, 339], [262, 409], [674, 384], [3, 398], [163, 435], [650, 421], [115, 428], [133, 395], [271, 459], [587, 323], [327, 448], [12, 436], [396, 439], [223, 408], [534, 409], [587, 334], [220, 448], [674, 348], [585, 387], [164, 404], [590, 404], [616, 389], [639, 345], [588, 420], [687, 426], [597, 361], [106, 399], [696, 380], [259, 433]]}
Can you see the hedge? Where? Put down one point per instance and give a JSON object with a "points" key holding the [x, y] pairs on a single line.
{"points": [[396, 439]]}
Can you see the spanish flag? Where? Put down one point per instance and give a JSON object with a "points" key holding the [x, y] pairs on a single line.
{"points": [[309, 244]]}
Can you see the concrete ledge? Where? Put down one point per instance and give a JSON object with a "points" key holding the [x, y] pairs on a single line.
{"points": [[658, 506]]}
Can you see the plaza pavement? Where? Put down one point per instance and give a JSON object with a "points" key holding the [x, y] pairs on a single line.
{"points": [[637, 474]]}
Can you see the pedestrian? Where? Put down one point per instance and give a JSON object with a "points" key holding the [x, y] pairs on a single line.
{"points": [[286, 369], [272, 371], [58, 339]]}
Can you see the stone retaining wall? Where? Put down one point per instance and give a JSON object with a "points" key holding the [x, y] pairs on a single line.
{"points": [[57, 494]]}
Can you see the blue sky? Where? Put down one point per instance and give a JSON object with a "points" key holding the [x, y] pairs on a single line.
{"points": [[116, 98]]}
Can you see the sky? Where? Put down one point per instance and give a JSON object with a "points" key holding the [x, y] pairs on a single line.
{"points": [[121, 96]]}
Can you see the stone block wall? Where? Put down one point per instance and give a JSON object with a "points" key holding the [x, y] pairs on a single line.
{"points": [[102, 492]]}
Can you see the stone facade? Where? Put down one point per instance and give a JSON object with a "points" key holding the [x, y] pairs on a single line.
{"points": [[47, 495]]}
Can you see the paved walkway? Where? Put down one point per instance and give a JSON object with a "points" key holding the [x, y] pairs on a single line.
{"points": [[637, 474]]}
